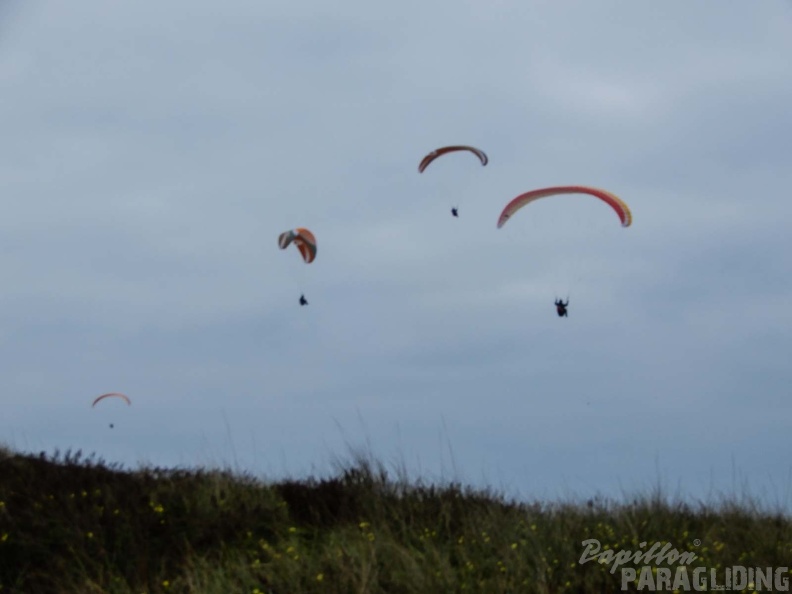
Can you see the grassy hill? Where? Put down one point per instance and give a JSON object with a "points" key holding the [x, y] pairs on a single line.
{"points": [[71, 525]]}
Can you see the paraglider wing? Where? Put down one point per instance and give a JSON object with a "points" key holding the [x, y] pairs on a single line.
{"points": [[112, 395], [303, 239], [450, 149], [610, 199]]}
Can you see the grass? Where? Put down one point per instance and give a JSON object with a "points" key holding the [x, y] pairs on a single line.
{"points": [[75, 525]]}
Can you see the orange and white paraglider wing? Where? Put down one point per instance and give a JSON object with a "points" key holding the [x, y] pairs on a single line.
{"points": [[450, 149], [112, 395], [616, 203], [304, 241]]}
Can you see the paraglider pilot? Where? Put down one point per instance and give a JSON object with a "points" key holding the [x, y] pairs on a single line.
{"points": [[561, 307], [455, 212], [303, 300]]}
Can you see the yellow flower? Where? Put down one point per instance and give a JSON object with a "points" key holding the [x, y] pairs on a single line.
{"points": [[166, 584], [319, 577]]}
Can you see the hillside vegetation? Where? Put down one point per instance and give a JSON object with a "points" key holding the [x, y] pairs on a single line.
{"points": [[71, 525]]}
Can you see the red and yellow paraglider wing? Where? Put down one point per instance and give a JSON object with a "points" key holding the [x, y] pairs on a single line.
{"points": [[450, 149], [618, 205], [112, 395]]}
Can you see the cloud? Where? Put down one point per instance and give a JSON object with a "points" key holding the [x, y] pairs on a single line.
{"points": [[152, 154]]}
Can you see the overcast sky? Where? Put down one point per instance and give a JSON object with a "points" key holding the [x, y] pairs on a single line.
{"points": [[151, 153]]}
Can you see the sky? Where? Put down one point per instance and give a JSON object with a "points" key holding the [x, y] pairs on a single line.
{"points": [[151, 153]]}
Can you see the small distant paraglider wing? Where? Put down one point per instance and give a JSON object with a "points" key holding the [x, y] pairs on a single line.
{"points": [[303, 239], [112, 395], [610, 199], [450, 149]]}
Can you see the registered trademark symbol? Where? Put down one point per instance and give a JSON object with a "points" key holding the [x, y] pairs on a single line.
{"points": [[696, 543]]}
